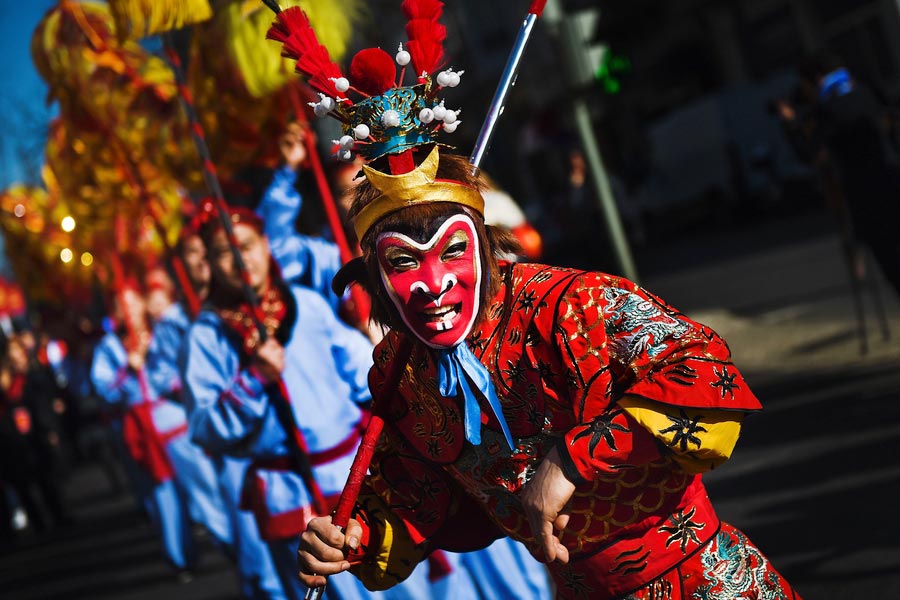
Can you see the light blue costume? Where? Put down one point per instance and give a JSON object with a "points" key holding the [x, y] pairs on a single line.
{"points": [[216, 482], [304, 260], [122, 388], [326, 366], [193, 469]]}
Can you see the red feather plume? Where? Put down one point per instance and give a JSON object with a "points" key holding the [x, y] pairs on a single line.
{"points": [[299, 42], [425, 34]]}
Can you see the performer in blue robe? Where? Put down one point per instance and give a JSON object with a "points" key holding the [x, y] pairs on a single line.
{"points": [[148, 429], [257, 578], [234, 400], [194, 471]]}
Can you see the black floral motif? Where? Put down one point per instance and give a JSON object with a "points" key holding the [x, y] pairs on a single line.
{"points": [[478, 341], [429, 488], [684, 428], [434, 447], [514, 372], [575, 582], [601, 428], [725, 382], [545, 370], [526, 300], [682, 529]]}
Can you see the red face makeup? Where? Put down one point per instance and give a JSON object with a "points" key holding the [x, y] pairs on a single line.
{"points": [[436, 285]]}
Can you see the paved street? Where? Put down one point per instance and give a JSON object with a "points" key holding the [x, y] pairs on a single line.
{"points": [[814, 479]]}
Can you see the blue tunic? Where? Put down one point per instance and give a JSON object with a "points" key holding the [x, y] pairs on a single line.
{"points": [[304, 260], [231, 414], [193, 469], [122, 389]]}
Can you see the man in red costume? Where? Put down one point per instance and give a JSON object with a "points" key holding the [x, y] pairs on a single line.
{"points": [[570, 410]]}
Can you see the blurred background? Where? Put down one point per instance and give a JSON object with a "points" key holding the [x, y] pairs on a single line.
{"points": [[737, 157]]}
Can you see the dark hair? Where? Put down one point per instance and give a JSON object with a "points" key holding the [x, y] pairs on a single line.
{"points": [[418, 221]]}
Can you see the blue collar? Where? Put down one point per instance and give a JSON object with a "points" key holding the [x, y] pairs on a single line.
{"points": [[459, 370]]}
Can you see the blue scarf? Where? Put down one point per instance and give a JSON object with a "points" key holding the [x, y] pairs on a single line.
{"points": [[459, 370]]}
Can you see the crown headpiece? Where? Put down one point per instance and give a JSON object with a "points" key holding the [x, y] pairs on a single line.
{"points": [[388, 117]]}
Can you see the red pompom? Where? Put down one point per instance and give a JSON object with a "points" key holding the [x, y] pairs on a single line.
{"points": [[372, 71]]}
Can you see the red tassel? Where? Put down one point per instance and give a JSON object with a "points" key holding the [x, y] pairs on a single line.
{"points": [[425, 34], [422, 9], [372, 71], [299, 42]]}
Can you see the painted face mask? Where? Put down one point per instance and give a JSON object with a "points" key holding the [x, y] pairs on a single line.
{"points": [[436, 285]]}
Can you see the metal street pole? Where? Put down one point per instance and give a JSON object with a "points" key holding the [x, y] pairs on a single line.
{"points": [[604, 193], [580, 71]]}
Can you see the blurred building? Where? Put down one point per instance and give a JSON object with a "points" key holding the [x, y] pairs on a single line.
{"points": [[686, 132]]}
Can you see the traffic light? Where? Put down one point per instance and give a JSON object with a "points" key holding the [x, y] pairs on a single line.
{"points": [[590, 61], [609, 73], [584, 55]]}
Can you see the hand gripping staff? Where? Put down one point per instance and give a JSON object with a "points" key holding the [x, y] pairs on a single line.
{"points": [[395, 132]]}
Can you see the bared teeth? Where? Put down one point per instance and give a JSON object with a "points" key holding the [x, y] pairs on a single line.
{"points": [[444, 313]]}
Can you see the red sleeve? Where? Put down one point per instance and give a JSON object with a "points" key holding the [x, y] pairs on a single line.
{"points": [[617, 339]]}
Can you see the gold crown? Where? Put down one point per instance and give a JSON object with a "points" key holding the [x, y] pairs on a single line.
{"points": [[419, 186]]}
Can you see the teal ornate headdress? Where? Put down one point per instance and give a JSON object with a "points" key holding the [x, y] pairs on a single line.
{"points": [[389, 117]]}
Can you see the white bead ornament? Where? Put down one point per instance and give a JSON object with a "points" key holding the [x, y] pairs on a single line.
{"points": [[319, 110], [450, 117], [451, 127], [426, 116], [341, 84], [402, 57], [439, 111], [345, 155], [390, 118], [328, 102], [346, 142], [443, 78], [454, 78], [361, 131]]}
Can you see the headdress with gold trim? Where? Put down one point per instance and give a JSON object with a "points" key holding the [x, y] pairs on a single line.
{"points": [[388, 118]]}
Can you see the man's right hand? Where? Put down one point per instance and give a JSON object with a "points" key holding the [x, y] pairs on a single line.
{"points": [[323, 549], [269, 360]]}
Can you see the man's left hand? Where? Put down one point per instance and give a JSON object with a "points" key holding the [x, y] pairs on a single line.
{"points": [[544, 498]]}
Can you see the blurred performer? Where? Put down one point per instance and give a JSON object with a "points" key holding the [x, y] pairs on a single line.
{"points": [[500, 210], [303, 260], [236, 401], [30, 435], [151, 429], [570, 410], [256, 571], [840, 126], [193, 471]]}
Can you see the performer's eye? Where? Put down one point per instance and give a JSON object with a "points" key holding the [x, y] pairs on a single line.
{"points": [[456, 247], [400, 260]]}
